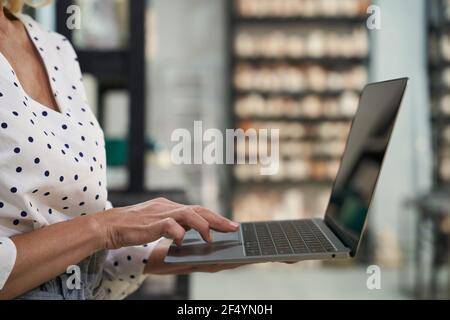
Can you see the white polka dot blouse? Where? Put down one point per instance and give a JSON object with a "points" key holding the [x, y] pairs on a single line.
{"points": [[53, 164]]}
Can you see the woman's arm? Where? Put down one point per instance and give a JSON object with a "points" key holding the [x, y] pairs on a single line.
{"points": [[44, 254]]}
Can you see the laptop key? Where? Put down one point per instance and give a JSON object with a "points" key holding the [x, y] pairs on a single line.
{"points": [[284, 251]]}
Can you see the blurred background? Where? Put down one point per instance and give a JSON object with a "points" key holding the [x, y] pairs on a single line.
{"points": [[298, 65]]}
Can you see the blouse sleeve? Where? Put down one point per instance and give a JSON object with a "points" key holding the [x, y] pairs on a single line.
{"points": [[7, 259], [123, 271], [9, 203]]}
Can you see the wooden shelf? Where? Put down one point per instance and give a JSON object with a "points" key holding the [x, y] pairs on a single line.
{"points": [[323, 20], [328, 61], [299, 94], [297, 119], [283, 183], [314, 139]]}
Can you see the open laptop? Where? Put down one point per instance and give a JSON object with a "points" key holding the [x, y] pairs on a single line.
{"points": [[337, 235]]}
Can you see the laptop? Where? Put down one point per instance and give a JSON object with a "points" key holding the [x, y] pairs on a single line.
{"points": [[339, 233]]}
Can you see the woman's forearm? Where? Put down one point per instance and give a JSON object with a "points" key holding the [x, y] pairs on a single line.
{"points": [[45, 253]]}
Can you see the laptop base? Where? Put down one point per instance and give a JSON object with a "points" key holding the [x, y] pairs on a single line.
{"points": [[231, 247]]}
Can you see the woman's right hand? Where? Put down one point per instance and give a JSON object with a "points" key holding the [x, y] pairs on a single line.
{"points": [[147, 222], [67, 243]]}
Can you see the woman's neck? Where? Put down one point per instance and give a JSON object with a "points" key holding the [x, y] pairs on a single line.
{"points": [[6, 20], [2, 12]]}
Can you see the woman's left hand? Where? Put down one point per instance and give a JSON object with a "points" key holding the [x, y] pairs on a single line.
{"points": [[156, 264]]}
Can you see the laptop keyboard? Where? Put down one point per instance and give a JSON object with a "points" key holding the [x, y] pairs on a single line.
{"points": [[284, 237]]}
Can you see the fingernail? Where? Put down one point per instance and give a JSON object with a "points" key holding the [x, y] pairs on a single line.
{"points": [[234, 224]]}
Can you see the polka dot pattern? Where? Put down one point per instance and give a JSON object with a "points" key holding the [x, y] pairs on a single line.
{"points": [[54, 159]]}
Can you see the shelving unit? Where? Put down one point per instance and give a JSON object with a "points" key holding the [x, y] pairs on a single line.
{"points": [[439, 71], [115, 69], [125, 69], [256, 29]]}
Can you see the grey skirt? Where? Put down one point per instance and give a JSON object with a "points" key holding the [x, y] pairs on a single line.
{"points": [[59, 288]]}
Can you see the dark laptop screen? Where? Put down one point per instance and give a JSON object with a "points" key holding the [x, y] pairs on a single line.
{"points": [[361, 163]]}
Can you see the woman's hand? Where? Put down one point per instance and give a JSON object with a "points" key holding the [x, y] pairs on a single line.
{"points": [[147, 222], [156, 264], [66, 243]]}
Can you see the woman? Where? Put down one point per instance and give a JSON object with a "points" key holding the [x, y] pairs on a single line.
{"points": [[54, 211]]}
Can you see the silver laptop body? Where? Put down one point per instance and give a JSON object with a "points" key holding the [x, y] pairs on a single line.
{"points": [[337, 235]]}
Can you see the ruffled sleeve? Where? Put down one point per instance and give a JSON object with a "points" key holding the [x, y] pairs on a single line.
{"points": [[7, 259]]}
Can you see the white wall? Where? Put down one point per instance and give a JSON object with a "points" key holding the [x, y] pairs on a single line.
{"points": [[400, 50], [187, 83], [46, 16]]}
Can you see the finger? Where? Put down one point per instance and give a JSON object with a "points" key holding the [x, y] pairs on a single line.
{"points": [[186, 216], [216, 222], [168, 228], [167, 201], [197, 222]]}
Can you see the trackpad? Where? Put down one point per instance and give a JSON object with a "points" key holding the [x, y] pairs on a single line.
{"points": [[224, 245], [193, 237]]}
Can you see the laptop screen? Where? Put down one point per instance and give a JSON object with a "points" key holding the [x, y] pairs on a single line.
{"points": [[361, 163]]}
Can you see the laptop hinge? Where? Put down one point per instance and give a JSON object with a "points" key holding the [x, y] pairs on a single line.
{"points": [[338, 234]]}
